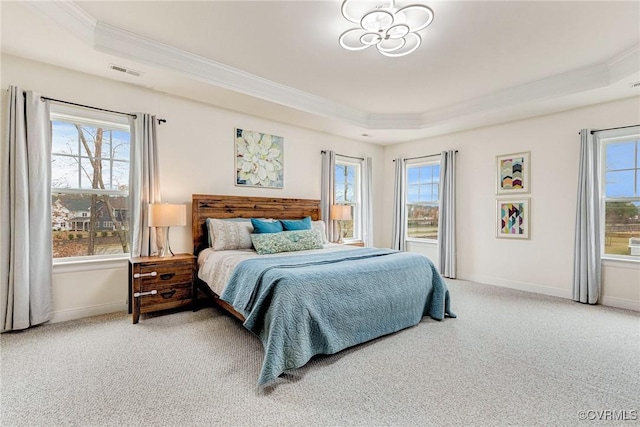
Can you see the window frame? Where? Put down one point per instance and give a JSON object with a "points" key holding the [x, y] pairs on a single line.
{"points": [[604, 138], [96, 118], [412, 164], [357, 192]]}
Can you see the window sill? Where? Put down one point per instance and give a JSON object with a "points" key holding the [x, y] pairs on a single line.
{"points": [[76, 265], [614, 261], [431, 242]]}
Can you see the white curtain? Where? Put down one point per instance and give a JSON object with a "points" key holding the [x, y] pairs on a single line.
{"points": [[26, 254], [144, 183], [447, 220], [586, 263], [399, 207], [327, 196], [367, 202]]}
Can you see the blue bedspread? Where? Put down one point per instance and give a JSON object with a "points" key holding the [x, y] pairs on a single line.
{"points": [[307, 304]]}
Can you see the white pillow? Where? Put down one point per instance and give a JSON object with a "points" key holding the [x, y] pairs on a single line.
{"points": [[228, 235], [322, 228]]}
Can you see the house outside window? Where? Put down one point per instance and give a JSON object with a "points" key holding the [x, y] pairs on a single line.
{"points": [[348, 191], [422, 193], [620, 204], [90, 163]]}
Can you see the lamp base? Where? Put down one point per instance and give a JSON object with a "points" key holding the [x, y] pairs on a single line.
{"points": [[164, 248]]}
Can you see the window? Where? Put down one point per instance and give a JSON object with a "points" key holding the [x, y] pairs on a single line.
{"points": [[90, 158], [347, 191], [423, 180], [621, 195]]}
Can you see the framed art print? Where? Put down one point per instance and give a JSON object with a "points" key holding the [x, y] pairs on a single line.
{"points": [[513, 173], [513, 218], [259, 159]]}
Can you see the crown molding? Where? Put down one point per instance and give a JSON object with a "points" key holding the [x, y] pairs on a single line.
{"points": [[116, 41], [70, 16]]}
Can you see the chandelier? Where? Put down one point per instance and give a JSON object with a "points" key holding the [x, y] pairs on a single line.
{"points": [[393, 31]]}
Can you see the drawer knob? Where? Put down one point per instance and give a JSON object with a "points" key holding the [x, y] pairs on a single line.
{"points": [[167, 276], [169, 294], [142, 294], [138, 275]]}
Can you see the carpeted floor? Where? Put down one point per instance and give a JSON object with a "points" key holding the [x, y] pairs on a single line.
{"points": [[510, 358]]}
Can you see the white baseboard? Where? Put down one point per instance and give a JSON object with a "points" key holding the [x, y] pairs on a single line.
{"points": [[627, 304], [547, 290], [94, 310], [522, 286]]}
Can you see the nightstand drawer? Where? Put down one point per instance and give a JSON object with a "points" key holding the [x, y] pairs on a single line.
{"points": [[166, 294], [145, 283]]}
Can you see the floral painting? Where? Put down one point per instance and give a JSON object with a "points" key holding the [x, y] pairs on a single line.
{"points": [[259, 159], [513, 173]]}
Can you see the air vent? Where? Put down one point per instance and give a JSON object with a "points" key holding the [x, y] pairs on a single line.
{"points": [[634, 85], [122, 69]]}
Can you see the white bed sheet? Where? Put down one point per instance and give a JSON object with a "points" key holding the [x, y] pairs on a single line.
{"points": [[215, 267]]}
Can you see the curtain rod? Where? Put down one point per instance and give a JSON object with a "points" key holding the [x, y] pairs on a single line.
{"points": [[621, 127], [342, 155], [160, 121], [424, 157]]}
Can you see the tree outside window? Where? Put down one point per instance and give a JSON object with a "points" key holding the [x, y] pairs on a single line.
{"points": [[347, 192], [90, 188]]}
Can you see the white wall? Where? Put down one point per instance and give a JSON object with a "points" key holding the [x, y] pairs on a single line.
{"points": [[196, 155], [545, 262]]}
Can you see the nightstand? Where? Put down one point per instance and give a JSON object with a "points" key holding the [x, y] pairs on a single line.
{"points": [[157, 283]]}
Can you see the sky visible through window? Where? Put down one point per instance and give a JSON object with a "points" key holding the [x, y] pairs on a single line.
{"points": [[345, 181], [422, 183], [70, 164], [622, 172]]}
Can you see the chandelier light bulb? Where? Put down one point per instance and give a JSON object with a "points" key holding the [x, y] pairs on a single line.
{"points": [[393, 31]]}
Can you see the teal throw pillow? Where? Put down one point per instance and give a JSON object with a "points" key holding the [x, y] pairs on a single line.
{"points": [[296, 224], [262, 226], [286, 241]]}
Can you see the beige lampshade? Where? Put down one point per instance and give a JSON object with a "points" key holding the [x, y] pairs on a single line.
{"points": [[167, 215], [340, 212]]}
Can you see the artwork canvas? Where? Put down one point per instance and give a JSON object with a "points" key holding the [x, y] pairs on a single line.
{"points": [[513, 173], [513, 220], [259, 159]]}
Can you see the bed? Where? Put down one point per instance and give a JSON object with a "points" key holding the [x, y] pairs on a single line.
{"points": [[314, 301]]}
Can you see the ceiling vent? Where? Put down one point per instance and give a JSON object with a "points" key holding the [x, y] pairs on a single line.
{"points": [[125, 70]]}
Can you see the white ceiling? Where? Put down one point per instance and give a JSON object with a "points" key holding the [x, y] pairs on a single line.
{"points": [[480, 62]]}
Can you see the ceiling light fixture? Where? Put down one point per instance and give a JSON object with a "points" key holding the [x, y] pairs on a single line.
{"points": [[393, 31]]}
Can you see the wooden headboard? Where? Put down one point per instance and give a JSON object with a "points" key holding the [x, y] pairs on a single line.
{"points": [[207, 206]]}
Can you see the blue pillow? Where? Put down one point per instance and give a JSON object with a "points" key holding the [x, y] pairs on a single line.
{"points": [[296, 224], [263, 227]]}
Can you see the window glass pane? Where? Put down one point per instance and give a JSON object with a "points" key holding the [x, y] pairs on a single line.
{"points": [[413, 193], [422, 221], [620, 155], [64, 172], [413, 175], [620, 184], [65, 138], [436, 173], [121, 145], [425, 175], [86, 174], [622, 228], [435, 196], [71, 221]]}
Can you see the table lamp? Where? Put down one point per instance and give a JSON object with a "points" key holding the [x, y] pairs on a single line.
{"points": [[340, 213], [163, 216]]}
